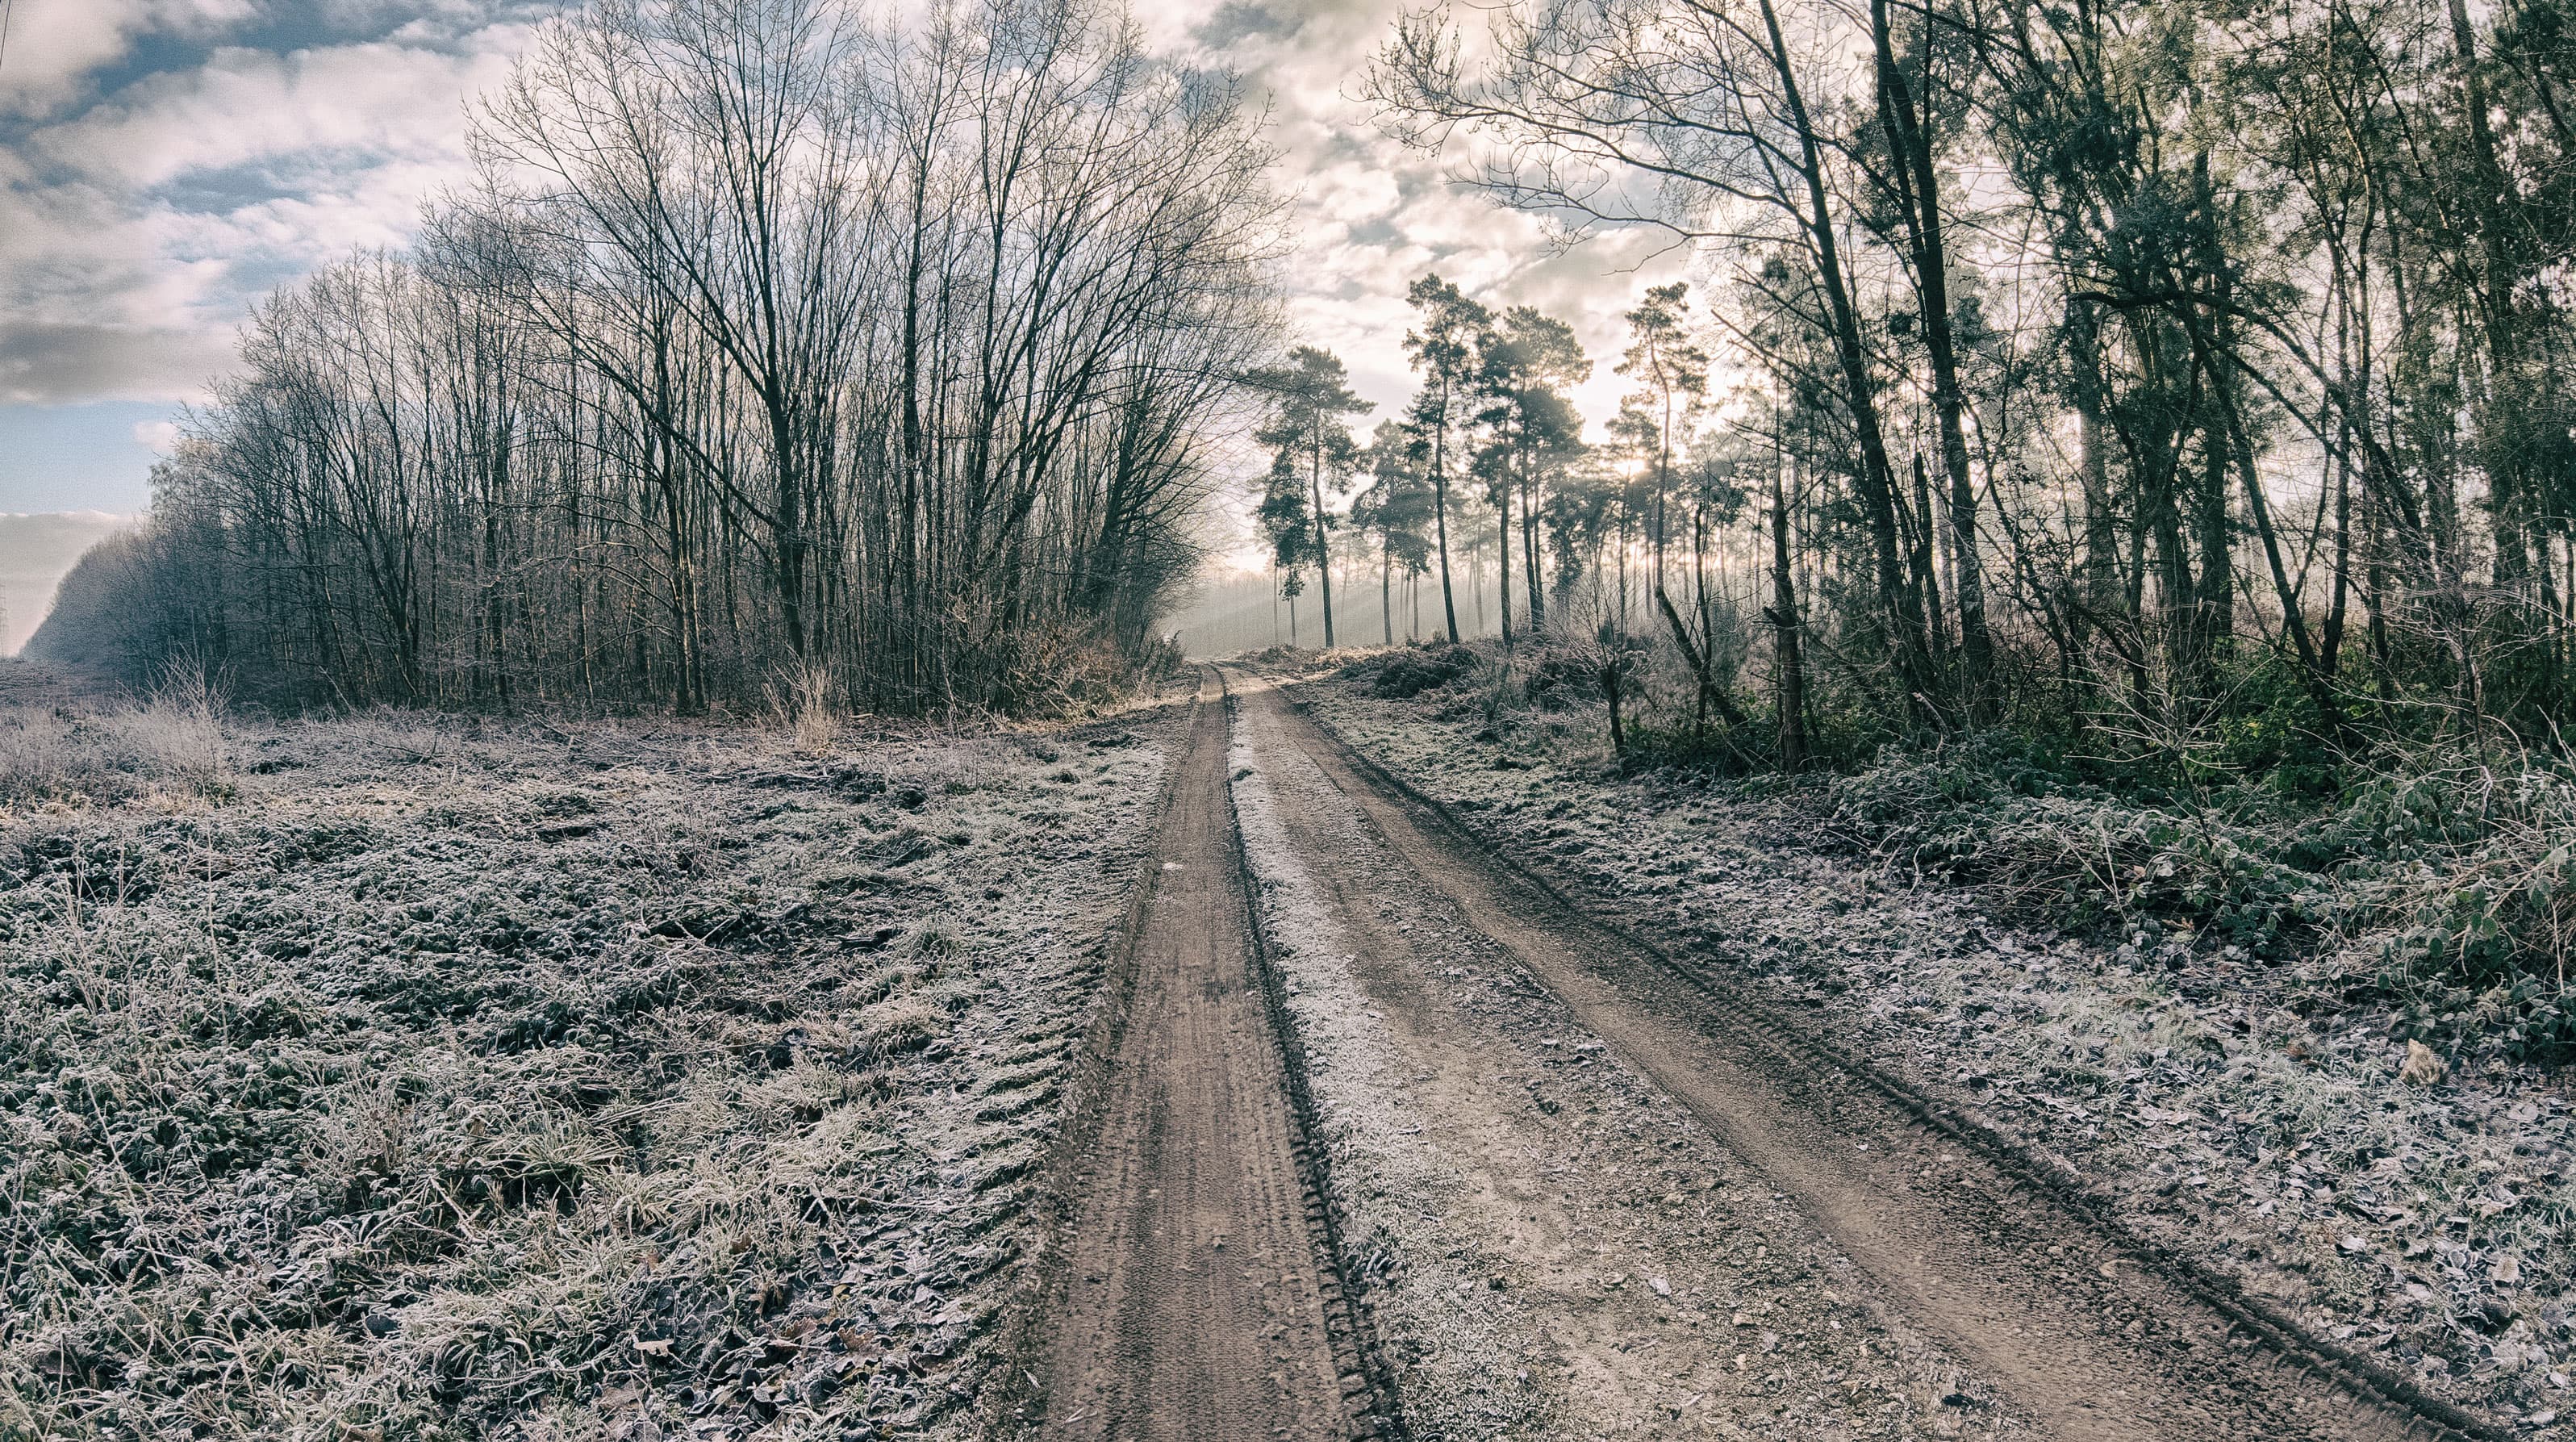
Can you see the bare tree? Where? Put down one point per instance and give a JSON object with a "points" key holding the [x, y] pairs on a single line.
{"points": [[773, 337]]}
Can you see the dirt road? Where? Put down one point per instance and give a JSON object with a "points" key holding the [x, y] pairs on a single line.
{"points": [[1587, 1195], [1992, 1306], [1198, 1303]]}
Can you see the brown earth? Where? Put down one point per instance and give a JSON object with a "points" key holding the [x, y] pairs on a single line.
{"points": [[1196, 1305], [1821, 1262], [1560, 1249]]}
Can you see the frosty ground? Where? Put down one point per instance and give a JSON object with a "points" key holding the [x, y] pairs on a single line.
{"points": [[2238, 1114], [395, 1077], [389, 1076]]}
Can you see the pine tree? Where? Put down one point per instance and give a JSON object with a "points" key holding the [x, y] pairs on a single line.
{"points": [[1313, 452], [1533, 432], [1444, 349]]}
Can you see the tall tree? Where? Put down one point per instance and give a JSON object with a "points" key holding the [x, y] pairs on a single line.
{"points": [[1294, 532], [1530, 359], [1911, 111], [1671, 375], [897, 357], [1710, 103], [1448, 335], [1394, 509], [1309, 396]]}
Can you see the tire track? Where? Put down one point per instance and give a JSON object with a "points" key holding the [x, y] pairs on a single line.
{"points": [[2086, 1327], [1556, 1247], [1200, 1299]]}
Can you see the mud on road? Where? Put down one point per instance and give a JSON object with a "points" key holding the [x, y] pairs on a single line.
{"points": [[1200, 1303], [1555, 1246], [1576, 1192]]}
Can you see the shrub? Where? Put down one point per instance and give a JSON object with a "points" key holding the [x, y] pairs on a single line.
{"points": [[2447, 880], [175, 740], [2080, 857], [806, 701], [1557, 678], [1409, 673]]}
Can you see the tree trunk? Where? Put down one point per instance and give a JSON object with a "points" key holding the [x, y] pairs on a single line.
{"points": [[2320, 686], [1902, 617], [1788, 665], [1712, 697], [1323, 553], [1529, 554], [1440, 523], [1610, 690], [1912, 134]]}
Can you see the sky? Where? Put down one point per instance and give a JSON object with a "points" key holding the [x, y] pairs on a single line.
{"points": [[164, 163]]}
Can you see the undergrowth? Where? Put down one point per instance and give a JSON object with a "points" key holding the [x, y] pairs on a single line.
{"points": [[2443, 881], [171, 742], [2433, 870]]}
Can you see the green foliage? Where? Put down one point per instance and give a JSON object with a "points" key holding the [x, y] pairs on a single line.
{"points": [[1396, 508], [1990, 811], [2445, 878]]}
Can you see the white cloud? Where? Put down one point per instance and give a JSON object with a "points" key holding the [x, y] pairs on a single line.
{"points": [[159, 435], [1369, 216], [135, 229], [55, 45], [348, 105], [135, 232]]}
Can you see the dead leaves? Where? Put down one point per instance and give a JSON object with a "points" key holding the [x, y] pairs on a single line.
{"points": [[2422, 1067]]}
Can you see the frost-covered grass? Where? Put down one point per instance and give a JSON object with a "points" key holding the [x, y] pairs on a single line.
{"points": [[95, 750], [2442, 880], [2242, 1111], [2436, 870], [438, 1079]]}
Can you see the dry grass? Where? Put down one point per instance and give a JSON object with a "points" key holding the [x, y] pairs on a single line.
{"points": [[443, 1083], [171, 746], [806, 701]]}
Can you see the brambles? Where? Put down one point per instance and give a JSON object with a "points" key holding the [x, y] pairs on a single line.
{"points": [[2428, 871], [1410, 672], [2443, 879]]}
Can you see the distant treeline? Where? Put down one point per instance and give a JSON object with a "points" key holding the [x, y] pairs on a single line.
{"points": [[774, 339], [1254, 611]]}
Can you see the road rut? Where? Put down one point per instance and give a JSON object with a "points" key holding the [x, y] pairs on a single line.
{"points": [[1197, 1306], [2071, 1333]]}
